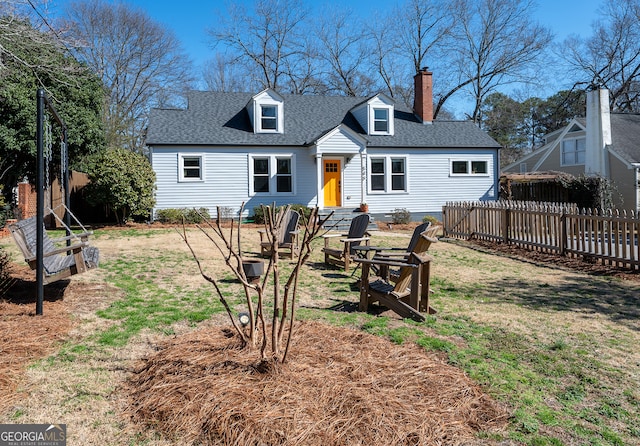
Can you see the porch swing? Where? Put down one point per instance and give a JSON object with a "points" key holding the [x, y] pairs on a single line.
{"points": [[59, 258]]}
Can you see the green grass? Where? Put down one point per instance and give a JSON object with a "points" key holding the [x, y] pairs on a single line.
{"points": [[559, 390]]}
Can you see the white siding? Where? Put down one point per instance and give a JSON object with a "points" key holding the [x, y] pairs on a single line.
{"points": [[430, 184], [340, 143], [226, 179], [351, 190], [361, 115]]}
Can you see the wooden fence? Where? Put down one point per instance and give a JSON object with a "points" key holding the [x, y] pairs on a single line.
{"points": [[610, 237]]}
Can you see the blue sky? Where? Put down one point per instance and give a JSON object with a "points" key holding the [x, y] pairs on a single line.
{"points": [[190, 19]]}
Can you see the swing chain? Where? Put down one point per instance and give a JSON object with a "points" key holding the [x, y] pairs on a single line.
{"points": [[48, 155]]}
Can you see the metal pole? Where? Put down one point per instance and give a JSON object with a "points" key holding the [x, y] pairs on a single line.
{"points": [[64, 159], [40, 202]]}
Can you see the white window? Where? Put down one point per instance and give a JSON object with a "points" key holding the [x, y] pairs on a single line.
{"points": [[272, 174], [190, 167], [387, 174], [269, 118], [469, 167], [573, 151], [381, 120]]}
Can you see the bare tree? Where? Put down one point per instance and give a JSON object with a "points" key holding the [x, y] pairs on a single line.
{"points": [[140, 62], [610, 58], [494, 43], [228, 242], [423, 25], [265, 40], [224, 73], [344, 50], [406, 40]]}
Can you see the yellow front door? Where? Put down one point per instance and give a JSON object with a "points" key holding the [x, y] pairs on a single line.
{"points": [[332, 184]]}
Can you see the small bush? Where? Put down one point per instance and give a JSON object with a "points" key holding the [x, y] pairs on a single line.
{"points": [[176, 216], [431, 219], [4, 269], [401, 216], [258, 214], [226, 213]]}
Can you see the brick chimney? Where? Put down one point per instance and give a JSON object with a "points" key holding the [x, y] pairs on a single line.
{"points": [[423, 95]]}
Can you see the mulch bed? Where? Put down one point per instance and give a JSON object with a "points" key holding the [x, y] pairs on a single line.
{"points": [[338, 387], [25, 337]]}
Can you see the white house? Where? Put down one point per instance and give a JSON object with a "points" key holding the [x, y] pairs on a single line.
{"points": [[604, 143], [228, 148]]}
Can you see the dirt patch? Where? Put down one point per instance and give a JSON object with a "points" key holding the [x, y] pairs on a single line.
{"points": [[542, 258], [24, 336], [340, 386]]}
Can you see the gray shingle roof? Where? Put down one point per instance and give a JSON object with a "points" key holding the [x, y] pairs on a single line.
{"points": [[221, 119], [625, 136]]}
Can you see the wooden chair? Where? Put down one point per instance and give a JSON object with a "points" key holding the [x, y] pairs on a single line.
{"points": [[409, 296], [59, 261], [343, 256], [287, 236], [403, 253]]}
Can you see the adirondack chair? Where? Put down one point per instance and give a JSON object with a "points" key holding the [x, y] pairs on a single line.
{"points": [[409, 296], [287, 237], [344, 255], [59, 261], [403, 253]]}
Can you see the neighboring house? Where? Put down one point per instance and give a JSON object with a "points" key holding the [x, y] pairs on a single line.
{"points": [[604, 143], [230, 148]]}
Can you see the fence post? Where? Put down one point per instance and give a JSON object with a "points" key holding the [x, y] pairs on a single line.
{"points": [[506, 218], [562, 243]]}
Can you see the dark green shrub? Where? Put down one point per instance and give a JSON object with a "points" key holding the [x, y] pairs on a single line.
{"points": [[122, 180], [177, 216], [4, 269], [170, 216], [401, 216]]}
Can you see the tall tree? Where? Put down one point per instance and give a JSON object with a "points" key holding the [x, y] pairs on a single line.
{"points": [[140, 62], [344, 50], [610, 58], [558, 109], [222, 74], [423, 26], [33, 59], [519, 126], [267, 40], [494, 43]]}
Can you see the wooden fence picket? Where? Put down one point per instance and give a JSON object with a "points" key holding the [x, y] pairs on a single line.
{"points": [[605, 235]]}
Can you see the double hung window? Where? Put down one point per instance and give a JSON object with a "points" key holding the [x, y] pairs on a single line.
{"points": [[272, 174], [190, 167], [573, 151], [387, 174], [269, 119]]}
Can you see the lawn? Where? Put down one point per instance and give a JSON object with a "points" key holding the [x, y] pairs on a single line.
{"points": [[556, 347]]}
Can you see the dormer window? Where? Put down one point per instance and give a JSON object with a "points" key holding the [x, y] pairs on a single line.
{"points": [[266, 111], [381, 120], [375, 115], [269, 117]]}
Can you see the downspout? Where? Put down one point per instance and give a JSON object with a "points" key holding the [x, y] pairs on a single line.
{"points": [[363, 176]]}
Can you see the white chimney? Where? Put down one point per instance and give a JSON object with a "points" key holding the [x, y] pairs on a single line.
{"points": [[598, 133]]}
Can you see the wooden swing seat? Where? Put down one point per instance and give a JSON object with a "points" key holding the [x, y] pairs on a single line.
{"points": [[60, 261]]}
